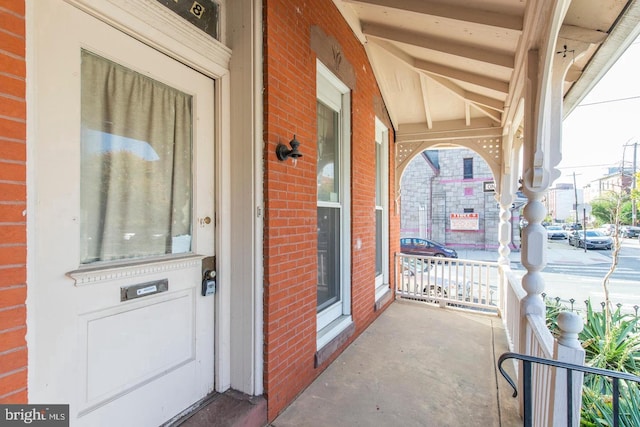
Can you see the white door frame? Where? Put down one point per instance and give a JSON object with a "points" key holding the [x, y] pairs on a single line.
{"points": [[155, 25], [247, 188]]}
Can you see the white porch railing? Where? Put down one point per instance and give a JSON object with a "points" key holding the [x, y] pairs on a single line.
{"points": [[449, 282], [510, 306], [528, 334], [494, 288]]}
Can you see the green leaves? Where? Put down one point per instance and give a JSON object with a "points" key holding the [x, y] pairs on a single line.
{"points": [[619, 349], [614, 345], [597, 406], [612, 208]]}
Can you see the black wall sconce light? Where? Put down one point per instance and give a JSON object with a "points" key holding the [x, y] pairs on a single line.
{"points": [[284, 153]]}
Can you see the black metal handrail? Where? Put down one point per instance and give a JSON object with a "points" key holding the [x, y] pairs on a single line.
{"points": [[570, 367]]}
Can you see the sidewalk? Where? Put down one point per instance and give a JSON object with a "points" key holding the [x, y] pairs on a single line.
{"points": [[562, 253], [557, 253]]}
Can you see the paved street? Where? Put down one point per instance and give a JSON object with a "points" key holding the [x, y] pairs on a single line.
{"points": [[572, 273], [572, 279]]}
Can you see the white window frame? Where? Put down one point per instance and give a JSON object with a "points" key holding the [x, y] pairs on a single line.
{"points": [[335, 94], [382, 157]]}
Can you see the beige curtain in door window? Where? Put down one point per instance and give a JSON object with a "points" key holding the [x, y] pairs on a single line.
{"points": [[136, 187]]}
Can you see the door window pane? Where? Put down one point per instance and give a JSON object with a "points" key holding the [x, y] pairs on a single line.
{"points": [[328, 256], [136, 136]]}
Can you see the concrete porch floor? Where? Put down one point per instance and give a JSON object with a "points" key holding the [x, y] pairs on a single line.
{"points": [[416, 365]]}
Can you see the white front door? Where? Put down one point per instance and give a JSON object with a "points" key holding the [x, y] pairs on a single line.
{"points": [[122, 152]]}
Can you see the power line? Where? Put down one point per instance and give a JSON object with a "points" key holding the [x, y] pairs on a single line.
{"points": [[609, 101], [604, 165]]}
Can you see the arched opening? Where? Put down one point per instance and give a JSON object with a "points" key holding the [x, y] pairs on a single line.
{"points": [[448, 196]]}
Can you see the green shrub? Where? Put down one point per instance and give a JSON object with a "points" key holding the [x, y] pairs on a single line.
{"points": [[553, 308], [617, 348], [597, 406]]}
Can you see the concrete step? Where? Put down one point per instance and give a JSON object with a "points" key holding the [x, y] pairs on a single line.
{"points": [[228, 409]]}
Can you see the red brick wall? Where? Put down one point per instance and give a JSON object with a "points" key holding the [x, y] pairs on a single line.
{"points": [[290, 193], [13, 196]]}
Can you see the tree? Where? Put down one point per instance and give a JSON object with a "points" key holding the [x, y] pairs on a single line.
{"points": [[610, 338], [609, 209], [606, 209], [635, 192]]}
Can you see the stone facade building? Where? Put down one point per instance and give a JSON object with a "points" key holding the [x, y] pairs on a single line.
{"points": [[447, 196]]}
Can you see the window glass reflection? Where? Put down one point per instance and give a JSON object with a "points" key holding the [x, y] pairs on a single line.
{"points": [[136, 137], [328, 167]]}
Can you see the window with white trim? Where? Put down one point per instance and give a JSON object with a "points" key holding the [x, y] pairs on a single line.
{"points": [[382, 208], [333, 207]]}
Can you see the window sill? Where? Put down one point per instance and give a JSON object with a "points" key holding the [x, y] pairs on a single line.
{"points": [[383, 295], [332, 337]]}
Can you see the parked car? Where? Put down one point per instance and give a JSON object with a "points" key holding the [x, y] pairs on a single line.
{"points": [[415, 267], [607, 229], [596, 239], [417, 246], [572, 226], [556, 232], [629, 231]]}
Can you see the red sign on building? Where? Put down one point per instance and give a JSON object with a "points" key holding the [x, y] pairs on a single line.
{"points": [[464, 221]]}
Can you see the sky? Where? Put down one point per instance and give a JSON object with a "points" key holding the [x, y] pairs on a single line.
{"points": [[607, 119]]}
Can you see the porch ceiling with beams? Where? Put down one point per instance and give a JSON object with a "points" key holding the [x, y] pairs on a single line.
{"points": [[452, 70]]}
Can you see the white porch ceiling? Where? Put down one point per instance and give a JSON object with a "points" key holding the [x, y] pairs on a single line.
{"points": [[453, 65]]}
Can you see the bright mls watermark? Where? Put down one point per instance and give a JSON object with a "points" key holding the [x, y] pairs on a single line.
{"points": [[34, 415]]}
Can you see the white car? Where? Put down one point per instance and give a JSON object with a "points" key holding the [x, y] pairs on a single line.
{"points": [[607, 229], [556, 232]]}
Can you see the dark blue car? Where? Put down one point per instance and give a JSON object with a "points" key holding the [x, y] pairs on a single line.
{"points": [[425, 247]]}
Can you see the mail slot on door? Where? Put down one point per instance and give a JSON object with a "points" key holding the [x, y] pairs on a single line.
{"points": [[143, 289]]}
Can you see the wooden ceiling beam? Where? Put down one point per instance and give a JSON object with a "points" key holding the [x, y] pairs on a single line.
{"points": [[424, 41], [465, 76], [458, 13]]}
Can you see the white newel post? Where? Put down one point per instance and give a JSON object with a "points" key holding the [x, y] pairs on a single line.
{"points": [[546, 65], [504, 230], [504, 237], [505, 199], [533, 256], [542, 152], [506, 193], [535, 181], [568, 349]]}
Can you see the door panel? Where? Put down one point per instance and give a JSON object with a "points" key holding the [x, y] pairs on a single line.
{"points": [[116, 361], [114, 334]]}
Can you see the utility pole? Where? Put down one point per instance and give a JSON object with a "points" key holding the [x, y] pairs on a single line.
{"points": [[633, 186], [634, 211], [575, 191]]}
